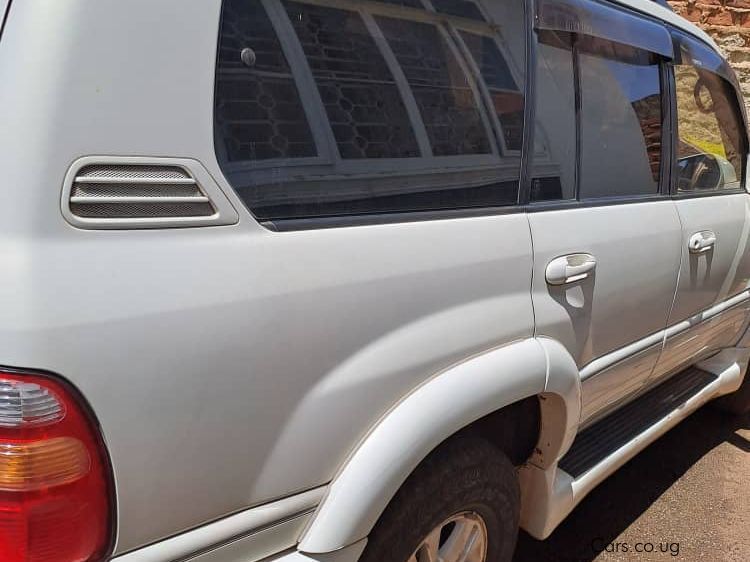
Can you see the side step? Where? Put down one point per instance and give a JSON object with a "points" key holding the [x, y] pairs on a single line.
{"points": [[549, 493], [606, 436]]}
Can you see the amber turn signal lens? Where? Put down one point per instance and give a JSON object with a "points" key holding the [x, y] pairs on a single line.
{"points": [[42, 464]]}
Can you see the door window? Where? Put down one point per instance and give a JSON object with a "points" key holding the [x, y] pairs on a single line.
{"points": [[612, 146], [621, 120], [554, 161], [712, 144]]}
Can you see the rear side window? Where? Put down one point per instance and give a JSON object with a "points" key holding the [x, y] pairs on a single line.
{"points": [[260, 113], [342, 108], [712, 144], [361, 98]]}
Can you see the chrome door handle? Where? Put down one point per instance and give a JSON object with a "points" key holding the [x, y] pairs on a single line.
{"points": [[569, 269], [702, 242]]}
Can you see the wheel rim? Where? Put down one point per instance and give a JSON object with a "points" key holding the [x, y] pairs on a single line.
{"points": [[461, 538]]}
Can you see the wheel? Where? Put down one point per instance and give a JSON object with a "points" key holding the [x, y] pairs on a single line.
{"points": [[737, 403], [461, 504]]}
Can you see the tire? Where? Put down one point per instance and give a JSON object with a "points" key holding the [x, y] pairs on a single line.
{"points": [[464, 477], [737, 403]]}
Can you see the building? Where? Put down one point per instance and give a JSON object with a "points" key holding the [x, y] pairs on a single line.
{"points": [[728, 22]]}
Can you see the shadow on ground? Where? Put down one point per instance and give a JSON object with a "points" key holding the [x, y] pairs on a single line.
{"points": [[620, 500]]}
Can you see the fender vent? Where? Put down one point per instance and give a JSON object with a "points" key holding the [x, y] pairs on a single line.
{"points": [[117, 192], [131, 194]]}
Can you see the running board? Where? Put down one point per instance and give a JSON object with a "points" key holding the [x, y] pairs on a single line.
{"points": [[550, 494], [602, 439]]}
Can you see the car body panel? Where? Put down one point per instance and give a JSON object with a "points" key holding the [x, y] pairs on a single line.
{"points": [[166, 332], [707, 280], [216, 359]]}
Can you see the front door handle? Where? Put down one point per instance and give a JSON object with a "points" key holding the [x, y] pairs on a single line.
{"points": [[569, 269], [702, 242]]}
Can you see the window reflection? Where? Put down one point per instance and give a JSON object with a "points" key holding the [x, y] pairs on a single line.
{"points": [[258, 111], [619, 130], [621, 124], [361, 98], [554, 158], [387, 106], [710, 147], [446, 100]]}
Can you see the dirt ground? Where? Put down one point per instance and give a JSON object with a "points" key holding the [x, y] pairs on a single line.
{"points": [[686, 497]]}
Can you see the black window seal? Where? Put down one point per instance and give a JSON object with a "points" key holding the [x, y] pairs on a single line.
{"points": [[668, 127], [348, 221], [564, 204], [673, 128], [529, 113], [4, 19], [709, 193], [578, 117], [375, 219]]}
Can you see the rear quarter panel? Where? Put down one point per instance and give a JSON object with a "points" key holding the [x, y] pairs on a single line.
{"points": [[228, 366]]}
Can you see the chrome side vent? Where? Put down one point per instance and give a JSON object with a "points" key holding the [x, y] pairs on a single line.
{"points": [[125, 192], [128, 193]]}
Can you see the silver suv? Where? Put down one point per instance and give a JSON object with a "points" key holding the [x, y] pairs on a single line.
{"points": [[340, 280]]}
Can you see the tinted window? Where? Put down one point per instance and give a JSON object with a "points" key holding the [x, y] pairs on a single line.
{"points": [[621, 124], [409, 3], [259, 113], [554, 158], [463, 8], [362, 101], [505, 95], [614, 147], [446, 100], [711, 147], [343, 108]]}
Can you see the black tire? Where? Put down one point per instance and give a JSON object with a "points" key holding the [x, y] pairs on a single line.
{"points": [[465, 473], [737, 403]]}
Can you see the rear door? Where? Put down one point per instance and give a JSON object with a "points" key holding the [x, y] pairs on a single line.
{"points": [[710, 168], [606, 235]]}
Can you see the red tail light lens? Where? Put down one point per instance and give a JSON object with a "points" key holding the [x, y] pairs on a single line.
{"points": [[54, 477]]}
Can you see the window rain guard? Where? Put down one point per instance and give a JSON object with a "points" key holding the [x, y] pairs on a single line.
{"points": [[604, 21]]}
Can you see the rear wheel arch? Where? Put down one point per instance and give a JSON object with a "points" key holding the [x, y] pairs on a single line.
{"points": [[502, 396]]}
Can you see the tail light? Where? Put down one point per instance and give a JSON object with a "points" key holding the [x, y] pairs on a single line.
{"points": [[54, 476]]}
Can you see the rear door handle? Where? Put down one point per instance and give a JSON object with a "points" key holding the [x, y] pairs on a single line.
{"points": [[569, 269], [702, 242]]}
